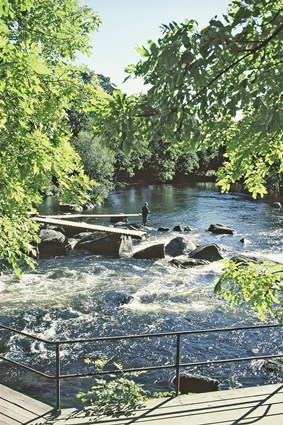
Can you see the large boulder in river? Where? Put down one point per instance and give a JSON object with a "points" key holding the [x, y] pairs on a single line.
{"points": [[179, 246], [53, 243], [109, 245], [195, 383], [220, 229], [151, 252], [207, 252], [185, 262]]}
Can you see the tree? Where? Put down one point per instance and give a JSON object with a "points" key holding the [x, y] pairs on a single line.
{"points": [[38, 43], [258, 285], [221, 86], [98, 161]]}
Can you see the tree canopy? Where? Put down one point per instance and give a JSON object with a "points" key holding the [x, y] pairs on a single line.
{"points": [[258, 285], [216, 88], [39, 40], [220, 86]]}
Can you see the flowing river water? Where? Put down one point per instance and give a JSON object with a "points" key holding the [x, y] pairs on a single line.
{"points": [[79, 296]]}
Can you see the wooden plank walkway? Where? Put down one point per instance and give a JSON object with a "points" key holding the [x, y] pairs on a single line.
{"points": [[262, 405], [136, 234], [17, 408], [70, 215]]}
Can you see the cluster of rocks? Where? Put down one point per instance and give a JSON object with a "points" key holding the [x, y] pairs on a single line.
{"points": [[56, 241], [182, 252]]}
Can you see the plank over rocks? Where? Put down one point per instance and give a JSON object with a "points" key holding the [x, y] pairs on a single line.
{"points": [[136, 234]]}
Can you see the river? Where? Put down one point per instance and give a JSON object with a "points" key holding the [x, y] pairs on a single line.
{"points": [[79, 296]]}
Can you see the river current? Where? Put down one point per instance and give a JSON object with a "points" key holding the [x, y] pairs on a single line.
{"points": [[79, 296]]}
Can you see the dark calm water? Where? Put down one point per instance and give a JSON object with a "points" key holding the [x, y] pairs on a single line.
{"points": [[79, 297]]}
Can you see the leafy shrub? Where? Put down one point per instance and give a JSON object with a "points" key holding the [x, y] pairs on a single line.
{"points": [[113, 395]]}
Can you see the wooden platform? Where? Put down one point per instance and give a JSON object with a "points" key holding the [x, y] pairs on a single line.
{"points": [[70, 215], [17, 408], [136, 234], [262, 405]]}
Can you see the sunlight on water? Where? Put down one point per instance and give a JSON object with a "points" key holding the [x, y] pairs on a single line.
{"points": [[88, 296]]}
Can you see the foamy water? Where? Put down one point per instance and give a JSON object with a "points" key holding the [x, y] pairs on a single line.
{"points": [[83, 296]]}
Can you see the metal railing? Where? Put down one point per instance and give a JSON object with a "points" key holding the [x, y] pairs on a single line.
{"points": [[57, 377]]}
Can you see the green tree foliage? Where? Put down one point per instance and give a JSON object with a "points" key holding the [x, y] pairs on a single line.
{"points": [[129, 125], [166, 160], [98, 161], [38, 43], [221, 86], [78, 119], [260, 286], [118, 122], [218, 88]]}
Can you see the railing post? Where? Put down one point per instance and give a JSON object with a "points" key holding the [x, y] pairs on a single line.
{"points": [[178, 357], [58, 394]]}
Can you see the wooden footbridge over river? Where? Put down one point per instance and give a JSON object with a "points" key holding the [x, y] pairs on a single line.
{"points": [[66, 220]]}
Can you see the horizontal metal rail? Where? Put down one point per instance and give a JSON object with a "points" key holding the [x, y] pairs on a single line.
{"points": [[138, 336], [177, 365], [37, 338], [38, 372], [172, 366]]}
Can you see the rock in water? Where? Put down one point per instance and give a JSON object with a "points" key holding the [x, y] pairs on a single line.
{"points": [[53, 243], [151, 252], [195, 383], [110, 245], [178, 246], [184, 262], [220, 229], [207, 252]]}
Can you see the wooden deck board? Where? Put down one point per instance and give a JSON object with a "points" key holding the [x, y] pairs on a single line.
{"points": [[5, 420], [136, 234], [262, 405], [17, 408], [18, 413]]}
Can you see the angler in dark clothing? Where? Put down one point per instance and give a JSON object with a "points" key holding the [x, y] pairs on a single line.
{"points": [[145, 212]]}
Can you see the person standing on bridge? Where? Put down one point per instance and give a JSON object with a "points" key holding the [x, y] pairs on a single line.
{"points": [[145, 212]]}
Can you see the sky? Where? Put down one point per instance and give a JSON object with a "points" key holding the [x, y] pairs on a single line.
{"points": [[130, 23]]}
